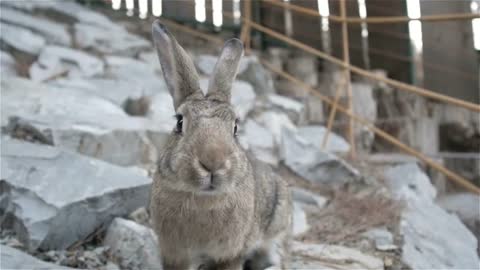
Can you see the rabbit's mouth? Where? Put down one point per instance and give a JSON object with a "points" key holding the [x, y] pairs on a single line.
{"points": [[208, 191], [211, 185]]}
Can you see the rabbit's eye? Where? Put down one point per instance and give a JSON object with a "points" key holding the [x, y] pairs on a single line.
{"points": [[179, 126]]}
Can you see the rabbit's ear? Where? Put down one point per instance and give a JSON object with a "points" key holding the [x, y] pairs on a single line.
{"points": [[178, 69], [225, 71]]}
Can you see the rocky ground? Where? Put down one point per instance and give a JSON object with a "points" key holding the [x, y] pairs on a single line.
{"points": [[85, 113]]}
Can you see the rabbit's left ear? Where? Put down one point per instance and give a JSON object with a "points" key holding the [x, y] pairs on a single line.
{"points": [[225, 71], [178, 69]]}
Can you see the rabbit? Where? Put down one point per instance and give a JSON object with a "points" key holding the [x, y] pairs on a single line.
{"points": [[211, 205]]}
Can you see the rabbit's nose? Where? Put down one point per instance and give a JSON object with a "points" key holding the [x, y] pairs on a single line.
{"points": [[205, 167], [213, 158]]}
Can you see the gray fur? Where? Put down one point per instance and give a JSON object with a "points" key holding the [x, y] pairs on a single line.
{"points": [[210, 205], [225, 70], [180, 73]]}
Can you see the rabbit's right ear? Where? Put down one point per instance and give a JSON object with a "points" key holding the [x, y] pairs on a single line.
{"points": [[178, 69]]}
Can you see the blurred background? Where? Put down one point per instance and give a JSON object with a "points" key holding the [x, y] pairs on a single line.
{"points": [[368, 108]]}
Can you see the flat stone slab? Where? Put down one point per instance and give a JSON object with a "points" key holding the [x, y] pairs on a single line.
{"points": [[115, 90], [55, 60], [276, 123], [300, 222], [53, 198], [314, 164], [249, 70], [258, 141], [83, 122], [11, 258], [319, 256], [7, 64], [315, 134], [306, 197], [432, 238], [243, 96], [106, 41], [292, 107], [53, 32], [67, 8], [21, 39]]}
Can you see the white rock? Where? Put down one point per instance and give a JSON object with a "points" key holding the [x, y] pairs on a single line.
{"points": [[275, 122], [132, 245], [364, 106], [114, 90], [316, 134], [27, 5], [258, 140], [7, 64], [260, 78], [53, 198], [22, 39], [125, 78], [128, 68], [306, 197], [54, 60], [140, 216], [161, 109], [109, 266], [12, 258], [106, 41], [256, 135], [138, 75], [84, 122], [243, 96], [384, 159], [364, 101], [316, 256], [276, 56], [314, 113], [151, 58], [53, 32], [205, 63], [288, 88], [291, 107], [22, 96], [465, 205], [68, 8], [408, 181], [382, 237], [312, 163], [265, 155], [304, 67], [285, 103], [432, 238], [300, 223]]}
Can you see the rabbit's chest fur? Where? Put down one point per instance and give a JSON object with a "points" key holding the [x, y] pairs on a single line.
{"points": [[198, 227]]}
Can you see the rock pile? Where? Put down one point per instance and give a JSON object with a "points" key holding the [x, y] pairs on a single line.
{"points": [[86, 120]]}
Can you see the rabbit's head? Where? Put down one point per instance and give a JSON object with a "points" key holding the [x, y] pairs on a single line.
{"points": [[202, 155]]}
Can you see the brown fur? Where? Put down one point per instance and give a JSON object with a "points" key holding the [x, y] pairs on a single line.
{"points": [[211, 207]]}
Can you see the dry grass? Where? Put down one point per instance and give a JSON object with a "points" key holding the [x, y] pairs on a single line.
{"points": [[349, 215]]}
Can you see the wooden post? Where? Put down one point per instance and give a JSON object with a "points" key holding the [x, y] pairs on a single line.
{"points": [[368, 74], [346, 60], [382, 134], [245, 35], [333, 111]]}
